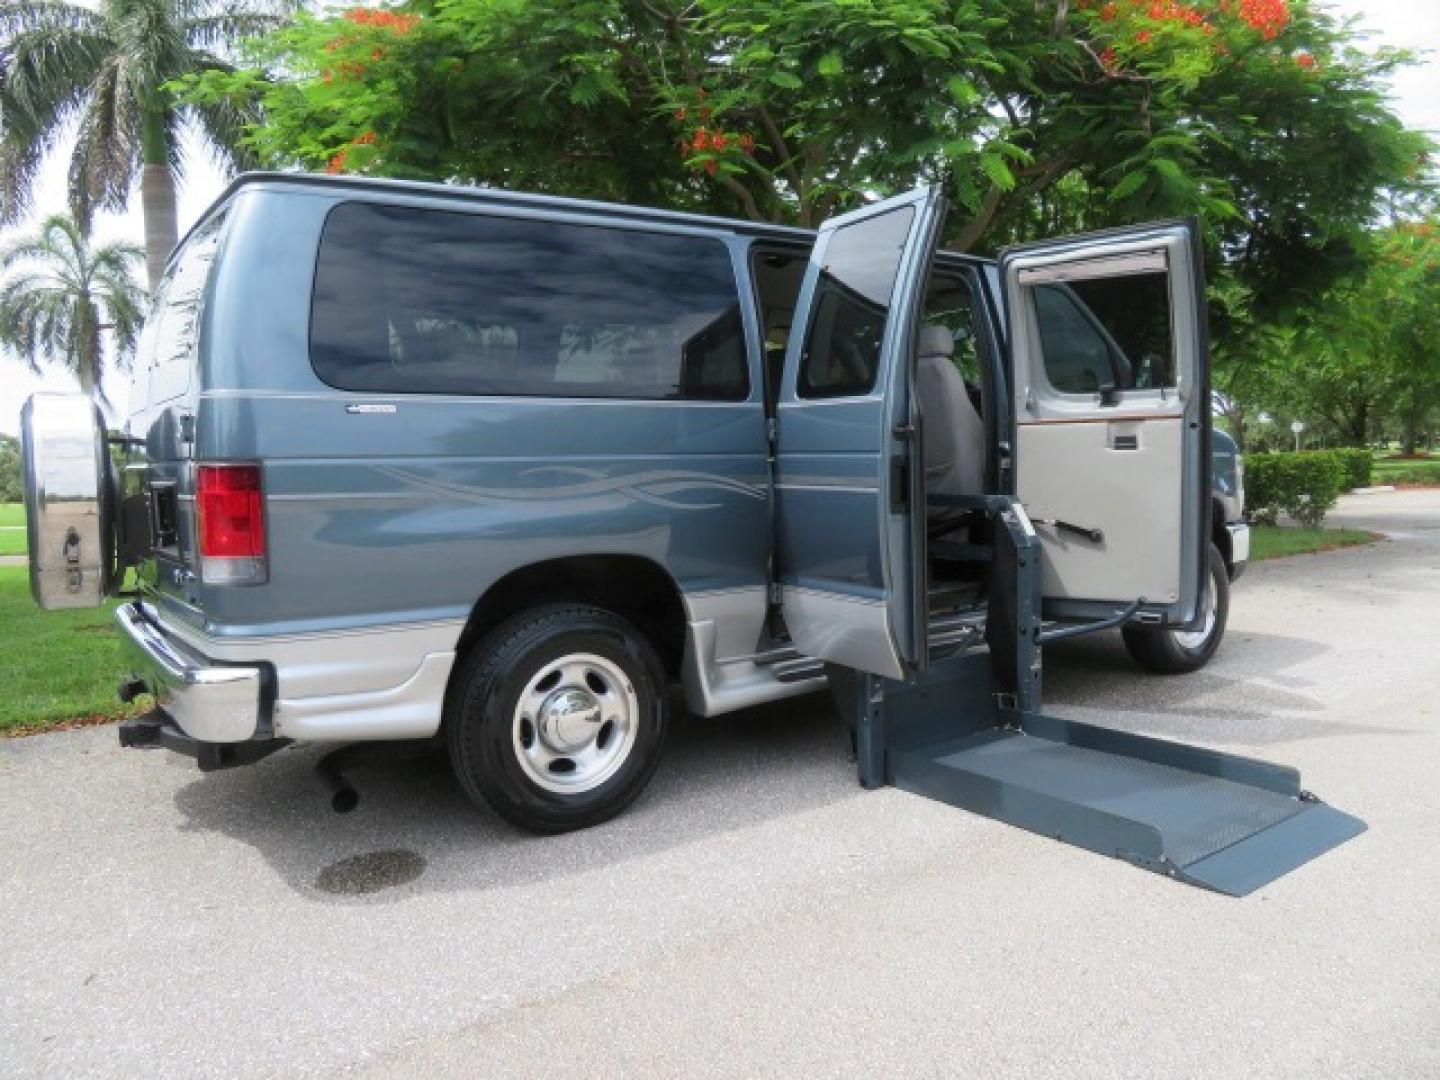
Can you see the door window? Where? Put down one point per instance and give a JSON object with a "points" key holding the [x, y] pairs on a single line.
{"points": [[851, 304], [1106, 333]]}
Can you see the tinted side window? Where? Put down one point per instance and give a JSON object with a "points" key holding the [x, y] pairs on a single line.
{"points": [[1077, 356], [426, 301], [1110, 331], [166, 348], [852, 302], [1135, 311]]}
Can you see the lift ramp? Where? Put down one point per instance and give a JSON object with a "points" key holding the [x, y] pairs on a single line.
{"points": [[1216, 820]]}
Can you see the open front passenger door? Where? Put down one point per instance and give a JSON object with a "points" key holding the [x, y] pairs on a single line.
{"points": [[849, 488], [1110, 377]]}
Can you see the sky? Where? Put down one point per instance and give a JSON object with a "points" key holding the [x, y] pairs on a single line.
{"points": [[1411, 24]]}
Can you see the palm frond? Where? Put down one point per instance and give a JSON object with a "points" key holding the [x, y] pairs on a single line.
{"points": [[35, 323], [195, 10], [22, 18], [107, 147], [45, 75], [221, 33], [57, 292], [150, 46], [46, 70]]}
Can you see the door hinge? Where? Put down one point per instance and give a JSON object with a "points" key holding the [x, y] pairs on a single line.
{"points": [[187, 428], [772, 430]]}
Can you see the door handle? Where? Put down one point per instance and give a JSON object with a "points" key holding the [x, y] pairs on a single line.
{"points": [[1095, 536]]}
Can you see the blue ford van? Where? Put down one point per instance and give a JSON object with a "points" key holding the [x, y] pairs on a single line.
{"points": [[408, 462]]}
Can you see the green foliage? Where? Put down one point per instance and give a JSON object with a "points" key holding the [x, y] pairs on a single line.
{"points": [[1356, 465], [10, 485], [1418, 476], [1039, 117], [1367, 355], [1277, 542], [1303, 485], [59, 296], [56, 665]]}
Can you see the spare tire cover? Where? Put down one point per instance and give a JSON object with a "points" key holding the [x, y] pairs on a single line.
{"points": [[69, 500]]}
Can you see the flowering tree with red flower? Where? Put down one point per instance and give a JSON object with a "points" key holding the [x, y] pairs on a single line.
{"points": [[1265, 117]]}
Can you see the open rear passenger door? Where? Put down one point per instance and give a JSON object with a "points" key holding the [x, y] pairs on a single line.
{"points": [[1110, 377], [851, 554]]}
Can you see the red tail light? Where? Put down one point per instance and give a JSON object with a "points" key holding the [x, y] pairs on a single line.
{"points": [[230, 509]]}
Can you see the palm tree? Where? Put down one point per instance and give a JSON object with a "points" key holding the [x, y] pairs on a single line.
{"points": [[107, 71], [58, 294]]}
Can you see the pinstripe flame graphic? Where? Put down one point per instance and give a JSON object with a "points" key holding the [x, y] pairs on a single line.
{"points": [[660, 487]]}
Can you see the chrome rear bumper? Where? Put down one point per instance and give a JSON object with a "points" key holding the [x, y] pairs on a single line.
{"points": [[208, 702]]}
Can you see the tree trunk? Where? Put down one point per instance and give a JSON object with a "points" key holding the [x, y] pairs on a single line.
{"points": [[88, 361], [1411, 435], [157, 191], [157, 197]]}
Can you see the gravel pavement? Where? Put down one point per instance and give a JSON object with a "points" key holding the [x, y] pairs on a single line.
{"points": [[757, 914]]}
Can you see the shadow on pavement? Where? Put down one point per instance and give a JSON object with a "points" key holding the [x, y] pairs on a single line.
{"points": [[1244, 697], [415, 831]]}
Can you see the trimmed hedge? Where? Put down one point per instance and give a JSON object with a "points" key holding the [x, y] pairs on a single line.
{"points": [[1304, 485], [1357, 465]]}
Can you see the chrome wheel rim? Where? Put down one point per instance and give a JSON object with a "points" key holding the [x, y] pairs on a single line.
{"points": [[1193, 640], [575, 723]]}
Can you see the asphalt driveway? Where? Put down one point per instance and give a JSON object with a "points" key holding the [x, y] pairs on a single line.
{"points": [[757, 913]]}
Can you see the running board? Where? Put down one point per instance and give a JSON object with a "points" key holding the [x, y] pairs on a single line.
{"points": [[1216, 820]]}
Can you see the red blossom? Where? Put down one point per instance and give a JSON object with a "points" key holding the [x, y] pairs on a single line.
{"points": [[747, 143], [337, 163], [1305, 60], [711, 167], [1269, 17], [398, 21]]}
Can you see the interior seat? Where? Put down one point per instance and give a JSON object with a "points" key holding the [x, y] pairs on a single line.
{"points": [[954, 434]]}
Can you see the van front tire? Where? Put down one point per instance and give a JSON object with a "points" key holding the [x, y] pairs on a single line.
{"points": [[1171, 652], [556, 718]]}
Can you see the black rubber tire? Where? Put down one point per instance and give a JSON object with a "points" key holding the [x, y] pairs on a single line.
{"points": [[1156, 649], [482, 697]]}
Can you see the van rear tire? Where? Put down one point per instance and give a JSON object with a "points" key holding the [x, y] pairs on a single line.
{"points": [[557, 718], [1171, 652]]}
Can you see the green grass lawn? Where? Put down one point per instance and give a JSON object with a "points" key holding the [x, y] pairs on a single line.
{"points": [[1275, 542], [1416, 470], [12, 529], [55, 666]]}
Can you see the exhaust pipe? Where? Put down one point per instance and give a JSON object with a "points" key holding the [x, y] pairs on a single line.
{"points": [[343, 796], [331, 769]]}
